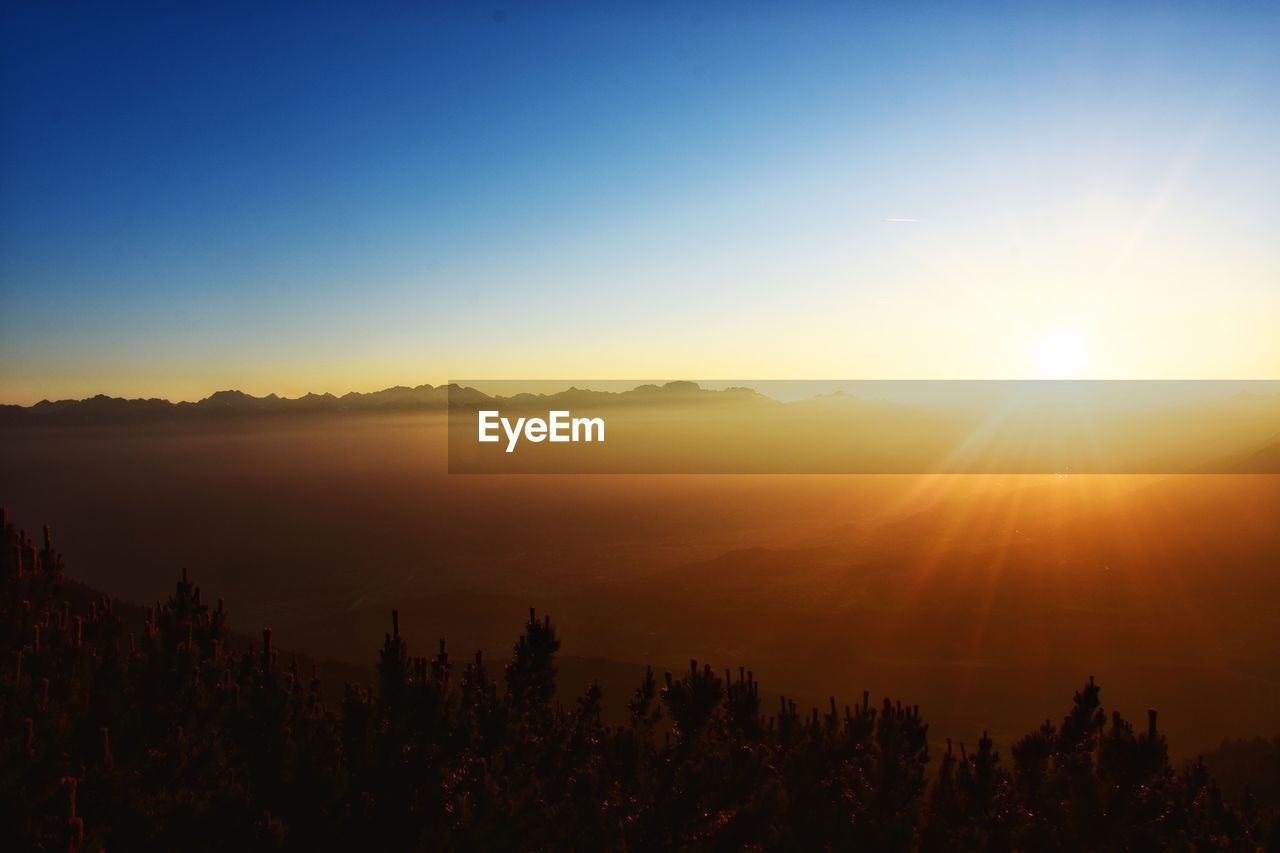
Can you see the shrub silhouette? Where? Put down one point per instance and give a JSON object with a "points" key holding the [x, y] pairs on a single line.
{"points": [[175, 738]]}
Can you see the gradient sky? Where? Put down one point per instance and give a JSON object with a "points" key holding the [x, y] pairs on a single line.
{"points": [[203, 196]]}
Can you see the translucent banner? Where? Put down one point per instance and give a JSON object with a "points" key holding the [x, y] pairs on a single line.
{"points": [[863, 427]]}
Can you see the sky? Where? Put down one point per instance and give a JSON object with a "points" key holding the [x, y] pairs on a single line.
{"points": [[287, 198]]}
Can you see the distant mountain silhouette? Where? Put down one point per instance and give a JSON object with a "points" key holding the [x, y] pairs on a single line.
{"points": [[102, 409], [678, 392], [232, 403], [979, 428]]}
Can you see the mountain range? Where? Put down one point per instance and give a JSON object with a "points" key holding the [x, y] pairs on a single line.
{"points": [[1236, 434], [102, 409]]}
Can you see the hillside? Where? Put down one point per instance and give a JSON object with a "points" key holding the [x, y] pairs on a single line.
{"points": [[173, 738]]}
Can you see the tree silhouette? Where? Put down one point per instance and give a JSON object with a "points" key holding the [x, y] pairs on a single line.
{"points": [[175, 734]]}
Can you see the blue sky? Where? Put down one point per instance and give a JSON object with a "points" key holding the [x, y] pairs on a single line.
{"points": [[198, 196]]}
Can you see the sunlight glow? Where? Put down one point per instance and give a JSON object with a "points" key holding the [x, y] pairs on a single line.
{"points": [[1061, 354]]}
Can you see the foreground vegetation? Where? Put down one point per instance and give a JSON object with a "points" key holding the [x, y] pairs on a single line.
{"points": [[176, 737]]}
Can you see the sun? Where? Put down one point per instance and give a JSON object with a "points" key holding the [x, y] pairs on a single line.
{"points": [[1061, 354]]}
